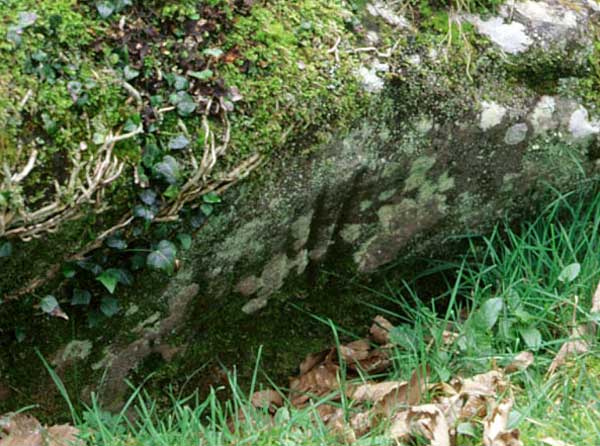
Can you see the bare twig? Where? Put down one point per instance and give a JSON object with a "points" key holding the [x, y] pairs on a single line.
{"points": [[87, 182]]}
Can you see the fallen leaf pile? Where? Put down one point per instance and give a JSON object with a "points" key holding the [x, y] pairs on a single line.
{"points": [[437, 412], [25, 430]]}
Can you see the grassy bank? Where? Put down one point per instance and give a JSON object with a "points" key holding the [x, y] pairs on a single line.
{"points": [[519, 290]]}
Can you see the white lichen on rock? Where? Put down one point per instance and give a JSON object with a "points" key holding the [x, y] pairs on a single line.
{"points": [[542, 117], [511, 37], [580, 125], [492, 114], [381, 9], [519, 25]]}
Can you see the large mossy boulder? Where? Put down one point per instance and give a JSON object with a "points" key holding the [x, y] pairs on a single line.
{"points": [[354, 136]]}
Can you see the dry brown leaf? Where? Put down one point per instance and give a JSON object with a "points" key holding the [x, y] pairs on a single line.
{"points": [[20, 430], [376, 362], [472, 394], [576, 345], [312, 360], [318, 382], [361, 423], [267, 399], [30, 439], [427, 420], [337, 424], [356, 351], [375, 392], [485, 384], [554, 442], [380, 330], [63, 435], [387, 397], [596, 300], [495, 427], [326, 412], [25, 430], [520, 362]]}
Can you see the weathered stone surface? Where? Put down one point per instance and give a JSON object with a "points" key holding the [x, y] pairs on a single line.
{"points": [[437, 154]]}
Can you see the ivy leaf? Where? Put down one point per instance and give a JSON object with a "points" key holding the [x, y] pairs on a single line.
{"points": [[202, 75], [105, 9], [150, 155], [69, 271], [163, 258], [180, 83], [211, 198], [569, 273], [20, 334], [179, 142], [148, 196], [169, 169], [213, 52], [49, 304], [532, 337], [94, 318], [130, 73], [185, 240], [81, 297], [490, 311], [26, 19], [124, 277], [198, 219], [144, 212], [109, 306], [171, 192], [207, 209], [184, 102], [6, 249], [110, 279], [116, 243]]}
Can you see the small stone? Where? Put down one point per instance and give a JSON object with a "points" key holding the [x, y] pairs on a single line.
{"points": [[516, 134]]}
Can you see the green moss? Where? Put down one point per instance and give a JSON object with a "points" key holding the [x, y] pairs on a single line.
{"points": [[291, 84]]}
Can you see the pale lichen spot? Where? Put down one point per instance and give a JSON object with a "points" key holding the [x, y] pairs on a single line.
{"points": [[255, 305], [492, 114], [445, 182], [76, 350], [418, 172], [301, 230], [543, 12], [364, 205], [386, 195], [580, 125], [351, 233], [542, 117], [510, 37]]}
